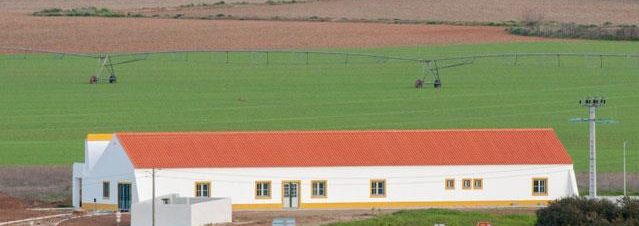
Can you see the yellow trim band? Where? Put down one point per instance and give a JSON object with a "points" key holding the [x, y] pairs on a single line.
{"points": [[368, 205], [99, 136], [257, 206], [99, 206]]}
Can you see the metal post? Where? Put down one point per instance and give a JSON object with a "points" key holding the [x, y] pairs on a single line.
{"points": [[624, 169], [307, 56], [558, 60], [153, 198], [592, 103], [593, 152], [227, 57]]}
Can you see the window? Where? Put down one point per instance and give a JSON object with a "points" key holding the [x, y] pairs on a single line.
{"points": [[478, 184], [203, 189], [318, 189], [106, 190], [466, 184], [450, 184], [540, 186], [263, 189], [378, 188]]}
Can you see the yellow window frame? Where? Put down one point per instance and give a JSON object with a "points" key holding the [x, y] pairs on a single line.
{"points": [[270, 189], [470, 184], [313, 182], [208, 185], [383, 181], [452, 187], [545, 193], [481, 183]]}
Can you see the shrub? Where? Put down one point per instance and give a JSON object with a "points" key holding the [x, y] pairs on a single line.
{"points": [[584, 211], [85, 11], [49, 12], [580, 31]]}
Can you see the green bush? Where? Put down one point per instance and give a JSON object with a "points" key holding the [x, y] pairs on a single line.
{"points": [[49, 12], [85, 11], [584, 211], [580, 31]]}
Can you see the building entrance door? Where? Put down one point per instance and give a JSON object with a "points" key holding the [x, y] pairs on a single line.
{"points": [[124, 197], [291, 194], [79, 181]]}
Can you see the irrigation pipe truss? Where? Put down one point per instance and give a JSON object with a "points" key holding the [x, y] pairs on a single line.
{"points": [[267, 51], [430, 65]]}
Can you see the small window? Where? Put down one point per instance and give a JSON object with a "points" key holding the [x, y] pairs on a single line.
{"points": [[106, 190], [263, 189], [466, 184], [450, 184], [478, 184], [540, 186], [319, 189], [202, 189], [378, 188]]}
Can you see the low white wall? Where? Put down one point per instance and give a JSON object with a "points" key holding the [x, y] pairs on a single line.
{"points": [[216, 210], [164, 215]]}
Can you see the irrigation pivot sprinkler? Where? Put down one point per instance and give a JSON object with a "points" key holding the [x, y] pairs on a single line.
{"points": [[592, 103], [433, 67]]}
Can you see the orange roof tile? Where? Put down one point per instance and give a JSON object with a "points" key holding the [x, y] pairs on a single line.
{"points": [[344, 148]]}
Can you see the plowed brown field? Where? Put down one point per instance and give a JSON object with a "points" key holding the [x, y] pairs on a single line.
{"points": [[88, 34], [578, 11]]}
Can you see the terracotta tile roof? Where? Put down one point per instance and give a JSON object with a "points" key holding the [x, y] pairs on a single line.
{"points": [[344, 148]]}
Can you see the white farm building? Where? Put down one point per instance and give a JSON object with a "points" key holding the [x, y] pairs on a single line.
{"points": [[327, 169]]}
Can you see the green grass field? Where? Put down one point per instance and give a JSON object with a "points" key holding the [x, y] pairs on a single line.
{"points": [[47, 106], [442, 216]]}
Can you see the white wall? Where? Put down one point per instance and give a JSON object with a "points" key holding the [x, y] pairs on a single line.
{"points": [[93, 150], [113, 166], [351, 184], [165, 215], [214, 211], [196, 214], [78, 174]]}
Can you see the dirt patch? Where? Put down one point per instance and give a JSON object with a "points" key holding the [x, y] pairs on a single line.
{"points": [[20, 214], [305, 217], [29, 6], [36, 186], [609, 182], [145, 34], [8, 202], [103, 220], [578, 11]]}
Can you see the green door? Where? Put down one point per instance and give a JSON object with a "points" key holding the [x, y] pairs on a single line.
{"points": [[124, 197]]}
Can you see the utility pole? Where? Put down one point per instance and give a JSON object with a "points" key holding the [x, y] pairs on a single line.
{"points": [[592, 103], [153, 197], [624, 169]]}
